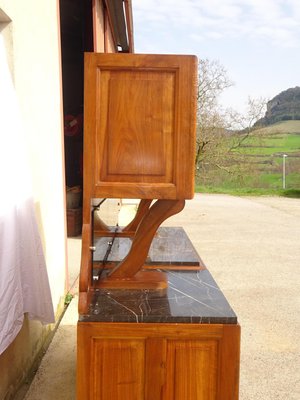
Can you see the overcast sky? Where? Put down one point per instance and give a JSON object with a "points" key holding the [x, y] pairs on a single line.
{"points": [[257, 41]]}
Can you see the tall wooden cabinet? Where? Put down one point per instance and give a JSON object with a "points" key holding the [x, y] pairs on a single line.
{"points": [[139, 142], [155, 331]]}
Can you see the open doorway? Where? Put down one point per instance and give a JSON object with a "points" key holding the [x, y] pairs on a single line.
{"points": [[76, 38], [91, 25]]}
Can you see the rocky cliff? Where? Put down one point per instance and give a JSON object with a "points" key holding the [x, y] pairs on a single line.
{"points": [[285, 106]]}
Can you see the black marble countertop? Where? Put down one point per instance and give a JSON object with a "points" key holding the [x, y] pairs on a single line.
{"points": [[170, 245], [192, 297]]}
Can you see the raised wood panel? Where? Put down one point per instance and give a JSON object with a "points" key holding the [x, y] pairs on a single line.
{"points": [[140, 114], [117, 369], [192, 368], [139, 138]]}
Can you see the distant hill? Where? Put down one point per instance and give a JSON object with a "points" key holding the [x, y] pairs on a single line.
{"points": [[283, 107], [282, 127]]}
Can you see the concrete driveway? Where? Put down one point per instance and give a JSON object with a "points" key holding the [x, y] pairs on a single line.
{"points": [[252, 248]]}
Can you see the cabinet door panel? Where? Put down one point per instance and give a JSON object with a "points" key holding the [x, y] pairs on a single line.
{"points": [[140, 125], [118, 369], [192, 370]]}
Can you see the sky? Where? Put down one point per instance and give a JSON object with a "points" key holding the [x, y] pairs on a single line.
{"points": [[256, 41]]}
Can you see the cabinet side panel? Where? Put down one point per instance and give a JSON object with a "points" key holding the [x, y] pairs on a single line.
{"points": [[83, 363], [192, 369], [117, 369], [140, 126]]}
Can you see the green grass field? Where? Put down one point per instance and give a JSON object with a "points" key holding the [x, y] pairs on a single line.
{"points": [[275, 144], [262, 156]]}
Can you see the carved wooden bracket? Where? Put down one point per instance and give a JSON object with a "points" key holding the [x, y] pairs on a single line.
{"points": [[128, 274]]}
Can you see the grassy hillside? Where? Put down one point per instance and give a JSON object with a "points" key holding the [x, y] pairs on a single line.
{"points": [[283, 127], [276, 140], [262, 159]]}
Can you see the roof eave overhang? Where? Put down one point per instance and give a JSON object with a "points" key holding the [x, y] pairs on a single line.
{"points": [[121, 21]]}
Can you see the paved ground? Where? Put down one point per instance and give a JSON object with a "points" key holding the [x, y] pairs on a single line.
{"points": [[252, 248]]}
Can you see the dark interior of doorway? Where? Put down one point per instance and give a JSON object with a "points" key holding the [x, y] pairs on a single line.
{"points": [[76, 38]]}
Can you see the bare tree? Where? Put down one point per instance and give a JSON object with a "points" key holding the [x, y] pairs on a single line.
{"points": [[220, 133], [212, 81], [244, 124]]}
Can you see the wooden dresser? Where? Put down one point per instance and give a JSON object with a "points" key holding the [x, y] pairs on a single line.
{"points": [[153, 325], [139, 344]]}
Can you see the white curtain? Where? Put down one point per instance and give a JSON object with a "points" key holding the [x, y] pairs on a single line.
{"points": [[24, 286]]}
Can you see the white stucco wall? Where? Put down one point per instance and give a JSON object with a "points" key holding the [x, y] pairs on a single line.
{"points": [[34, 46], [31, 33]]}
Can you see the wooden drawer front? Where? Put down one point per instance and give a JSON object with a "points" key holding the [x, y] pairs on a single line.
{"points": [[192, 368], [117, 369]]}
